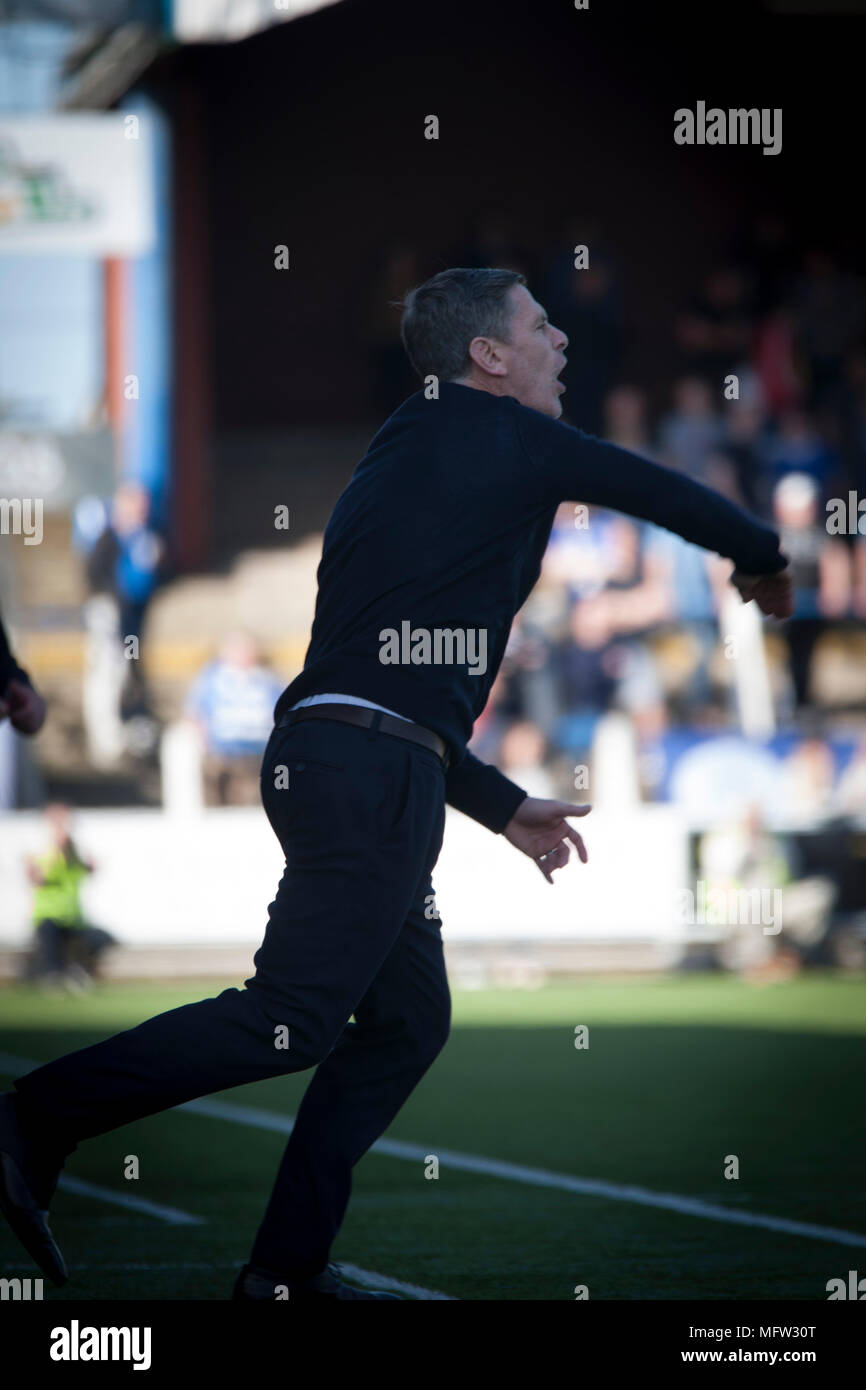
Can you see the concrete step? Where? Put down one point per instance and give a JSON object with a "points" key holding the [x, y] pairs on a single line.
{"points": [[511, 964]]}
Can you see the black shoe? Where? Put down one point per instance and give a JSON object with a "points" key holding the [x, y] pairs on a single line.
{"points": [[25, 1192], [260, 1286]]}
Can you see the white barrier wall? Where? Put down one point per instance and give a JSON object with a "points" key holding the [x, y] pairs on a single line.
{"points": [[638, 861], [207, 878]]}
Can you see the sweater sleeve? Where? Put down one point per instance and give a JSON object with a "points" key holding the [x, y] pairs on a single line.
{"points": [[482, 792], [9, 668], [573, 466]]}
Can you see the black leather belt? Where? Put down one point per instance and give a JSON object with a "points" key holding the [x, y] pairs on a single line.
{"points": [[368, 718]]}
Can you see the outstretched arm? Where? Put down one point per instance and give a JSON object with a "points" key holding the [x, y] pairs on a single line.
{"points": [[564, 463], [482, 792], [536, 827]]}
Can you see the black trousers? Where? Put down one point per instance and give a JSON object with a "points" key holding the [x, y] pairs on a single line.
{"points": [[352, 932], [58, 947], [803, 635]]}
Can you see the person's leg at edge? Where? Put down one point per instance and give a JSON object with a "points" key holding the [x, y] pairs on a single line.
{"points": [[354, 865]]}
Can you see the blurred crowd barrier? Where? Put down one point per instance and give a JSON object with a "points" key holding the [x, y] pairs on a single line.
{"points": [[185, 891]]}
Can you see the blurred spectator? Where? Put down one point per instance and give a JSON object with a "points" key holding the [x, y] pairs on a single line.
{"points": [[830, 310], [820, 568], [493, 720], [687, 577], [528, 675], [625, 420], [741, 858], [585, 305], [746, 446], [614, 597], [721, 475], [775, 360], [767, 253], [597, 670], [492, 242], [522, 757], [755, 872], [232, 702], [590, 549], [394, 377], [849, 797], [637, 603], [852, 422], [68, 950], [127, 559], [808, 774], [590, 662], [858, 599], [796, 446], [124, 568], [491, 723], [714, 334], [690, 432]]}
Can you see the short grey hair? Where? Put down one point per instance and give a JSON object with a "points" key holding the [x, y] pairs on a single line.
{"points": [[442, 316]]}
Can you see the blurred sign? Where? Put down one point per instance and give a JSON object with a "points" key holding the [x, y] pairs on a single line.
{"points": [[204, 879], [57, 468], [76, 185], [193, 20]]}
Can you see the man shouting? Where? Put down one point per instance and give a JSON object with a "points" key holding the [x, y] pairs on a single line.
{"points": [[437, 539]]}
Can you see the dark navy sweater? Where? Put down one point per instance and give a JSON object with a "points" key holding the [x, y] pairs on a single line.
{"points": [[443, 526]]}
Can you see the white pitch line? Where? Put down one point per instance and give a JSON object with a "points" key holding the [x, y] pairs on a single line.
{"points": [[19, 1066], [384, 1281], [240, 1114], [540, 1177], [361, 1276], [136, 1265], [515, 1172], [123, 1199], [617, 1192]]}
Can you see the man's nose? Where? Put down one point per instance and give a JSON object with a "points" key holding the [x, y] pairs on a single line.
{"points": [[560, 340]]}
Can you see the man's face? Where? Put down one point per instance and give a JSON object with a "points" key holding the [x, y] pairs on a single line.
{"points": [[534, 357]]}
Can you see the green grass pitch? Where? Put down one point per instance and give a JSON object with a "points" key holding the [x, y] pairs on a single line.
{"points": [[679, 1073]]}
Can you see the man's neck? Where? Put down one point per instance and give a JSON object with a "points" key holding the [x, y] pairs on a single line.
{"points": [[494, 385]]}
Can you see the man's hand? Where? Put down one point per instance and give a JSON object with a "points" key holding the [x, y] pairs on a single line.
{"points": [[773, 593], [539, 829], [23, 706]]}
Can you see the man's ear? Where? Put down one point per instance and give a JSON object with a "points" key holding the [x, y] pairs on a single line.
{"points": [[484, 352]]}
